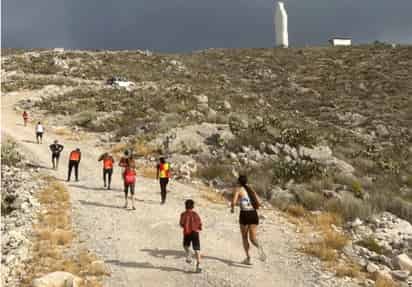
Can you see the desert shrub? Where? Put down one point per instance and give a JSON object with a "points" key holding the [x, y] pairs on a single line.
{"points": [[297, 137], [9, 154], [400, 208], [261, 179], [310, 200], [299, 171], [371, 244], [349, 207], [409, 181], [84, 119], [321, 250], [357, 189], [215, 170], [296, 210], [348, 270]]}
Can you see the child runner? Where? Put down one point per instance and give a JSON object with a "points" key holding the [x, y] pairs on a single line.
{"points": [[192, 225]]}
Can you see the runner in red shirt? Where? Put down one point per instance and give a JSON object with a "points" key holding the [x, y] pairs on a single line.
{"points": [[25, 118], [192, 225]]}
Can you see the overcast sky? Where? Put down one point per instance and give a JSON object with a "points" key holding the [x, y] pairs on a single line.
{"points": [[185, 25]]}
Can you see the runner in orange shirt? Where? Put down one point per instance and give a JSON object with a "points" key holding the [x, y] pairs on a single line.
{"points": [[108, 162]]}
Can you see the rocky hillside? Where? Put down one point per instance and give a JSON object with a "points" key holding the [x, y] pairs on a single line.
{"points": [[324, 127], [316, 129]]}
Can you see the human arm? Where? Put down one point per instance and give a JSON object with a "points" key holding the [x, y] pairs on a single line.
{"points": [[181, 222], [234, 200], [157, 172], [61, 148]]}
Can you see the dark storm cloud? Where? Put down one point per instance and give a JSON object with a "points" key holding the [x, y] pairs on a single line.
{"points": [[184, 25]]}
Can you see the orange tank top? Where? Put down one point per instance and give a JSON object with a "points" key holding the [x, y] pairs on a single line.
{"points": [[74, 155]]}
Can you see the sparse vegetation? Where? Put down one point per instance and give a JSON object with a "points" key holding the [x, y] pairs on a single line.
{"points": [[9, 153], [52, 249], [371, 244]]}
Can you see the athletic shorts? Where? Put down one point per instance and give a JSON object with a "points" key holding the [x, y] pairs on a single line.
{"points": [[128, 187], [192, 238], [164, 180], [248, 217], [40, 135], [55, 155]]}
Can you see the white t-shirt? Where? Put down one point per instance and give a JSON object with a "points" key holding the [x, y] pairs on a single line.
{"points": [[39, 129]]}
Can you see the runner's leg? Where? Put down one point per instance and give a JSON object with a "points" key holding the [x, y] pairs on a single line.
{"points": [[70, 170], [126, 187], [76, 170], [255, 242], [110, 172], [244, 230], [104, 177], [132, 194]]}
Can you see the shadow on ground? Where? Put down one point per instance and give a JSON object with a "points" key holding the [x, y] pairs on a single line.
{"points": [[162, 253], [146, 265]]}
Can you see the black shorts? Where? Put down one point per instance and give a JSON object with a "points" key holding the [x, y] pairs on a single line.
{"points": [[164, 180], [248, 217], [55, 156], [192, 238], [39, 135], [128, 187]]}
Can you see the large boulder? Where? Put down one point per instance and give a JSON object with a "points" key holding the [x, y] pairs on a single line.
{"points": [[404, 262], [57, 279]]}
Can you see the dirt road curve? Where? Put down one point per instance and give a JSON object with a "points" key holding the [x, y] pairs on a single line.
{"points": [[143, 247]]}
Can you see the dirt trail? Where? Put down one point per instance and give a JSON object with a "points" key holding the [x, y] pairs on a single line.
{"points": [[143, 247]]}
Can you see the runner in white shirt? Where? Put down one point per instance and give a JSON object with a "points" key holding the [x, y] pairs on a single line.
{"points": [[39, 132]]}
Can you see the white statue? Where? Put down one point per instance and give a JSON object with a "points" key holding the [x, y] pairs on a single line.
{"points": [[281, 25]]}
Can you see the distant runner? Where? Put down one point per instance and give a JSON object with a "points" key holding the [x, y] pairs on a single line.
{"points": [[56, 149], [192, 225], [108, 162], [163, 175], [74, 161], [25, 118], [129, 178], [39, 132], [248, 218]]}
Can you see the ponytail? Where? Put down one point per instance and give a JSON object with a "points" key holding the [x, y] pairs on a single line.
{"points": [[250, 192]]}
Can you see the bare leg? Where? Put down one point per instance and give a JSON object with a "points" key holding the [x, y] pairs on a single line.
{"points": [[132, 195], [188, 255], [255, 242], [198, 269], [244, 230], [125, 194]]}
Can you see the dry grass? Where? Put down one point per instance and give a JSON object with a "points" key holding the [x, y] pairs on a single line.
{"points": [[142, 149], [334, 239], [320, 250], [148, 171], [212, 196], [296, 210], [348, 270], [53, 239], [119, 148], [385, 282]]}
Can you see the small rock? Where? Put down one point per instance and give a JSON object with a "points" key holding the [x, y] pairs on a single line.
{"points": [[57, 279], [372, 267], [400, 274]]}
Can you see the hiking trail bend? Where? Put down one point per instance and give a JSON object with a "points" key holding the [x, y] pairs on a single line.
{"points": [[144, 247]]}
